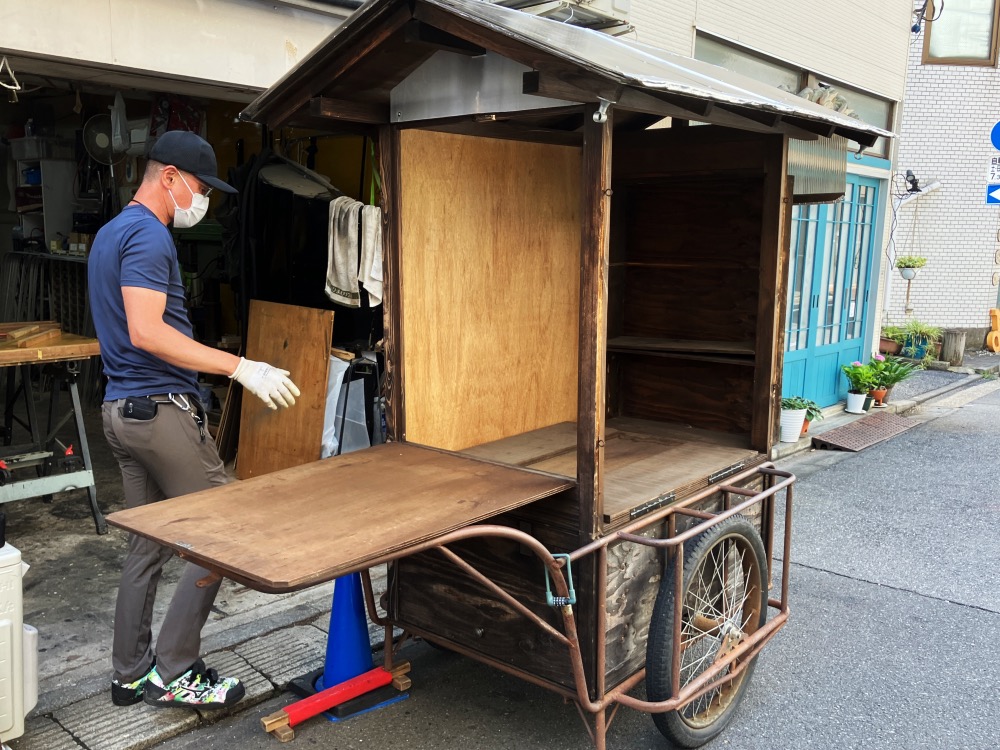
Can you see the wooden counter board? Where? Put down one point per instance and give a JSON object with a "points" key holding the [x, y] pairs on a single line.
{"points": [[67, 347], [309, 524]]}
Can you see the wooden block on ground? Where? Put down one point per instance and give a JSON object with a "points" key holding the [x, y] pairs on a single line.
{"points": [[273, 721], [284, 734], [402, 682], [400, 668]]}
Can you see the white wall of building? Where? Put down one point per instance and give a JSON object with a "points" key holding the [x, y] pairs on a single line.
{"points": [[852, 41], [247, 44], [948, 113]]}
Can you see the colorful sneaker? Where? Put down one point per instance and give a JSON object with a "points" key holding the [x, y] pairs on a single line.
{"points": [[199, 687], [129, 693]]}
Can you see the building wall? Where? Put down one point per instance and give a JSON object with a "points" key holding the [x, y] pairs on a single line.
{"points": [[948, 113], [852, 41], [245, 43]]}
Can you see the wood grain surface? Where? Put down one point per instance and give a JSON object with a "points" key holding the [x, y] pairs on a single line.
{"points": [[296, 339], [67, 346], [308, 524], [490, 286]]}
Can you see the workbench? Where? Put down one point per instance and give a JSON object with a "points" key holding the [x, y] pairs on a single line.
{"points": [[61, 353]]}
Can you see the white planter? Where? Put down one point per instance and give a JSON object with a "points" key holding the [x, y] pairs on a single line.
{"points": [[791, 424], [908, 273], [856, 403]]}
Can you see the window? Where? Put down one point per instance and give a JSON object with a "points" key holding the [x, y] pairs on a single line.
{"points": [[965, 33]]}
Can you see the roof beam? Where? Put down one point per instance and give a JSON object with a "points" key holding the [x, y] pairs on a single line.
{"points": [[342, 109], [417, 32]]}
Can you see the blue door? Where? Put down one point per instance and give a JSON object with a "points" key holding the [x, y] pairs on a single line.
{"points": [[829, 279]]}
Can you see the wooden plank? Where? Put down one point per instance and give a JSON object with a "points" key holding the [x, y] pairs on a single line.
{"points": [[296, 339], [709, 395], [490, 286], [641, 343], [774, 248], [639, 468], [530, 447], [68, 347], [342, 109], [308, 524], [392, 303], [595, 177], [39, 338]]}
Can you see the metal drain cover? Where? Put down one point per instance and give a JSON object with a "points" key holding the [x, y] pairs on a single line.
{"points": [[863, 433]]}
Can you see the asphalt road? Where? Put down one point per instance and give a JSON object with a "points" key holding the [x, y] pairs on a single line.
{"points": [[892, 643]]}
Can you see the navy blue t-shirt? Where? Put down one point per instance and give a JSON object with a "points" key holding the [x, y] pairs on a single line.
{"points": [[136, 249]]}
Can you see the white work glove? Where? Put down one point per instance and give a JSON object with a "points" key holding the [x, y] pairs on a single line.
{"points": [[267, 383]]}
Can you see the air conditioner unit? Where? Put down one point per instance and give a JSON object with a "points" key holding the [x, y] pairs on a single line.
{"points": [[18, 647], [609, 16]]}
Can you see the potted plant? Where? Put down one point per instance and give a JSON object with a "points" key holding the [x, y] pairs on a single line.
{"points": [[919, 337], [813, 414], [861, 380], [887, 372], [891, 339], [793, 416], [908, 265]]}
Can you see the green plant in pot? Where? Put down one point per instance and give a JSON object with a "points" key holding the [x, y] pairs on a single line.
{"points": [[891, 339], [908, 265], [860, 379], [919, 338], [794, 410], [813, 410], [887, 372]]}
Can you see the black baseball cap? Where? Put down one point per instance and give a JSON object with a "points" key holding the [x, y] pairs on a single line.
{"points": [[190, 153]]}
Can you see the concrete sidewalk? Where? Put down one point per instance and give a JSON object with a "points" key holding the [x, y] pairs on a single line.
{"points": [[919, 388], [265, 640]]}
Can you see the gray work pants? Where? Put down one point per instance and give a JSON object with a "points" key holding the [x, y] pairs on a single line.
{"points": [[160, 458]]}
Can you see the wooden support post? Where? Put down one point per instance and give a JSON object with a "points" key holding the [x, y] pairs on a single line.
{"points": [[595, 214]]}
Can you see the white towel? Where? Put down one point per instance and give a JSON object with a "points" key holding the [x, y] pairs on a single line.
{"points": [[370, 274], [342, 260]]}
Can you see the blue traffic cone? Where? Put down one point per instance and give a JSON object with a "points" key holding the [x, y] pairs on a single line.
{"points": [[348, 650]]}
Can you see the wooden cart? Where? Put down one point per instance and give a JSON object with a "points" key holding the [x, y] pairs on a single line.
{"points": [[583, 341]]}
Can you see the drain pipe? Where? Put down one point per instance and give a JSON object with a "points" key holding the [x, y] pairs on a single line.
{"points": [[897, 203]]}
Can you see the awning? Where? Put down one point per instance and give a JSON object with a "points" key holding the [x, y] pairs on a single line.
{"points": [[574, 64]]}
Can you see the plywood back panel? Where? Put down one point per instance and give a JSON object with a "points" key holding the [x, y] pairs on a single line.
{"points": [[490, 278], [296, 339]]}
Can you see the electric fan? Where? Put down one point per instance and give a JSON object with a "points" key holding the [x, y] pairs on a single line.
{"points": [[98, 142]]}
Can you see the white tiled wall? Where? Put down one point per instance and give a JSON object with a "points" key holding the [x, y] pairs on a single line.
{"points": [[948, 112]]}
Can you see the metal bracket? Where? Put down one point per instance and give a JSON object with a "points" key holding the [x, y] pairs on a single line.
{"points": [[560, 601], [601, 115]]}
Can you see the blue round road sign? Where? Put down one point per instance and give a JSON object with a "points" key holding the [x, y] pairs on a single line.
{"points": [[995, 136]]}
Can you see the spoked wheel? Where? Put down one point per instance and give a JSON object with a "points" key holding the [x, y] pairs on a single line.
{"points": [[724, 600]]}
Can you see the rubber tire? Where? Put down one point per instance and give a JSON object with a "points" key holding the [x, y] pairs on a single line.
{"points": [[659, 650]]}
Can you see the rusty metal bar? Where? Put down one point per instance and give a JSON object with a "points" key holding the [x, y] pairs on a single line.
{"points": [[653, 517], [694, 513]]}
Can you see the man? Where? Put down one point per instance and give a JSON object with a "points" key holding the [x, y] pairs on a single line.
{"points": [[154, 422]]}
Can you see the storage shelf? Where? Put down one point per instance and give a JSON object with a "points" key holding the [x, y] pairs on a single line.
{"points": [[736, 352]]}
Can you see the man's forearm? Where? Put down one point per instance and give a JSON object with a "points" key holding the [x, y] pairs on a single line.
{"points": [[174, 347]]}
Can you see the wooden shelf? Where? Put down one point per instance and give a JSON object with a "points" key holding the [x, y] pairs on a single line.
{"points": [[735, 352]]}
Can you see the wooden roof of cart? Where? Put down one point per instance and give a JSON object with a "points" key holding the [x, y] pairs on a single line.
{"points": [[351, 76]]}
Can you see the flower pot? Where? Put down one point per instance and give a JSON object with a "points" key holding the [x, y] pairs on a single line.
{"points": [[855, 403], [791, 424], [868, 402], [878, 394], [908, 273], [888, 346], [805, 426]]}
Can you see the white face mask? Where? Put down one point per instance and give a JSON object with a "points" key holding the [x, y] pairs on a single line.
{"points": [[188, 217]]}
